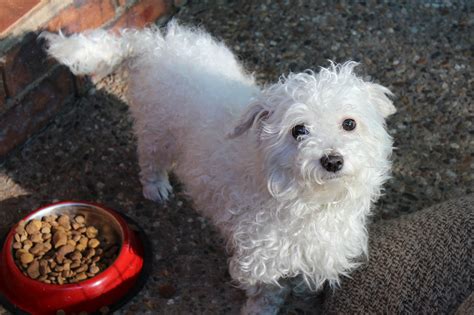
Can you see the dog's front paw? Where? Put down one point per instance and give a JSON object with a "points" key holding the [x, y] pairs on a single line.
{"points": [[267, 300], [253, 307], [157, 191]]}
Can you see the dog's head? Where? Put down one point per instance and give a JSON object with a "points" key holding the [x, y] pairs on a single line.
{"points": [[322, 136]]}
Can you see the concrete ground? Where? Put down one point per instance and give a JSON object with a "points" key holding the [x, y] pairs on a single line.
{"points": [[421, 50]]}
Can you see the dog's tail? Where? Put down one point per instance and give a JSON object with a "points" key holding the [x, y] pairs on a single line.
{"points": [[97, 52]]}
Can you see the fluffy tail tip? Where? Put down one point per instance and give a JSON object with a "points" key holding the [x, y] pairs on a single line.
{"points": [[97, 52]]}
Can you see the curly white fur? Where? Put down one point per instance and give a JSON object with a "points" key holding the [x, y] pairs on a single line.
{"points": [[198, 112]]}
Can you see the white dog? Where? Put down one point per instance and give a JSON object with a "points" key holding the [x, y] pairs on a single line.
{"points": [[287, 172]]}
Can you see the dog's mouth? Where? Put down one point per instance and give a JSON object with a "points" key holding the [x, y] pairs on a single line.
{"points": [[332, 177]]}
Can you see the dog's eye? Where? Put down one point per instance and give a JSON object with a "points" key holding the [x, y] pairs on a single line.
{"points": [[298, 131], [349, 124]]}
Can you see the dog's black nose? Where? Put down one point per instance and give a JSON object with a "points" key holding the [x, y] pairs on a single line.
{"points": [[332, 163]]}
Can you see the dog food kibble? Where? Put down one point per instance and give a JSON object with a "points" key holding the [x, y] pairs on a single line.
{"points": [[26, 258], [60, 250]]}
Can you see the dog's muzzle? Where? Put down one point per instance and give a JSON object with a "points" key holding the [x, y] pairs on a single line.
{"points": [[332, 163]]}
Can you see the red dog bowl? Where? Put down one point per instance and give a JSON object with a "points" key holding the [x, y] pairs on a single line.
{"points": [[106, 291]]}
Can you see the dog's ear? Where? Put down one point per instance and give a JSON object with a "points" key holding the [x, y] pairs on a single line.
{"points": [[379, 96], [255, 114]]}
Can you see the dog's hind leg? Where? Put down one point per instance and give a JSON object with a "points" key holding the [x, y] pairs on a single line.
{"points": [[155, 158]]}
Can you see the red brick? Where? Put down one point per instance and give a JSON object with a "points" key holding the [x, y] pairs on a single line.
{"points": [[83, 15], [24, 63], [12, 10], [35, 109], [142, 13]]}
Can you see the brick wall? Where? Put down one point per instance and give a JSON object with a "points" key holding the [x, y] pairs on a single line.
{"points": [[33, 88]]}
